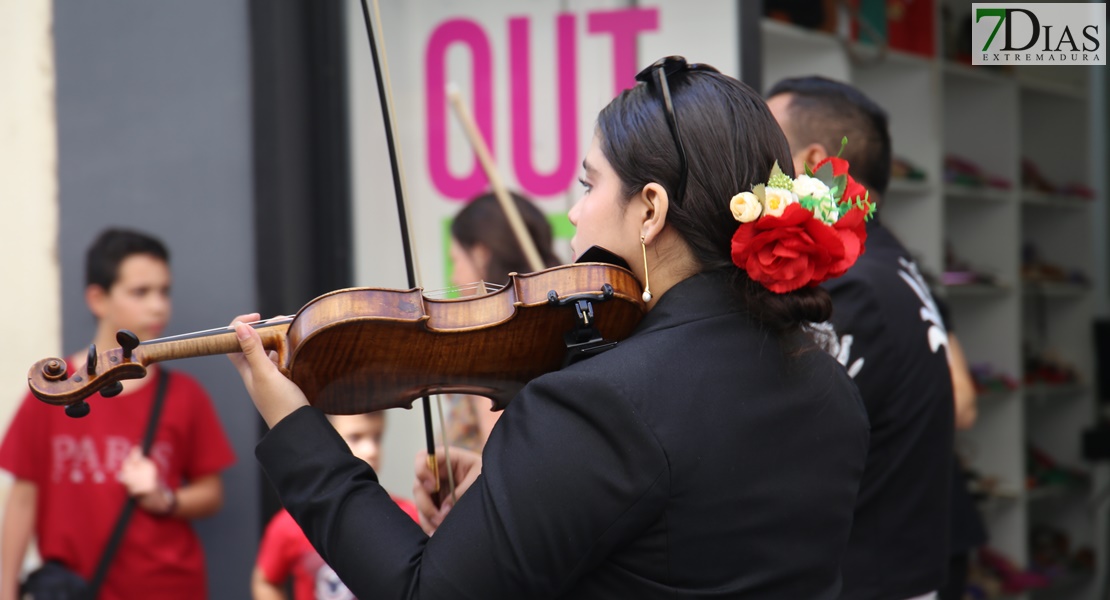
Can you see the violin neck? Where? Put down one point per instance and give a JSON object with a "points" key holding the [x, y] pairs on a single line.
{"points": [[209, 344]]}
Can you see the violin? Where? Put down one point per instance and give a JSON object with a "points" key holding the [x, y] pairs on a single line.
{"points": [[361, 350]]}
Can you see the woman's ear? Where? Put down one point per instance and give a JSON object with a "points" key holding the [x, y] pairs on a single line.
{"points": [[655, 203]]}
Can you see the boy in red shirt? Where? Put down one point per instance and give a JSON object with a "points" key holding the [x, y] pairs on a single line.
{"points": [[72, 476], [285, 551]]}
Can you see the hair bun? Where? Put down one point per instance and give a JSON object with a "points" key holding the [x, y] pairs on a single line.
{"points": [[810, 305], [784, 312]]}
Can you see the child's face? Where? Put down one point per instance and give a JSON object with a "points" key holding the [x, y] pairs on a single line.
{"points": [[363, 434], [139, 300]]}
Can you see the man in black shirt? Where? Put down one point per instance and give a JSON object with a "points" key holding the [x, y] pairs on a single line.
{"points": [[887, 331]]}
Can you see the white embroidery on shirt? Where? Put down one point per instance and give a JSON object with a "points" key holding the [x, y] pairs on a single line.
{"points": [[937, 335], [839, 347]]}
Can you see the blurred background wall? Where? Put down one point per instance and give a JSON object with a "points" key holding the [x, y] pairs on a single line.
{"points": [[154, 127], [28, 199]]}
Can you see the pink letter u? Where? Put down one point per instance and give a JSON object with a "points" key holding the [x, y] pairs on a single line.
{"points": [[561, 177]]}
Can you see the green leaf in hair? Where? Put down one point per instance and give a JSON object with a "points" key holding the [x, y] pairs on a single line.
{"points": [[779, 179], [840, 183], [825, 175]]}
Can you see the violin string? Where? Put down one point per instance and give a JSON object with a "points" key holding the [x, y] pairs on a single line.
{"points": [[255, 324], [483, 286], [471, 286], [463, 288]]}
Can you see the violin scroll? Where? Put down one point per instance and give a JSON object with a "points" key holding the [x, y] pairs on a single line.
{"points": [[103, 372]]}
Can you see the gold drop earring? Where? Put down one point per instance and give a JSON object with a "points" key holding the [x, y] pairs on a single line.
{"points": [[647, 282]]}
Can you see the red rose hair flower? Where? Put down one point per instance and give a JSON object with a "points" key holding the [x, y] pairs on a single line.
{"points": [[800, 232]]}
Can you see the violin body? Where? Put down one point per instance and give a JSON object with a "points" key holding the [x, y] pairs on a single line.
{"points": [[414, 346], [360, 350]]}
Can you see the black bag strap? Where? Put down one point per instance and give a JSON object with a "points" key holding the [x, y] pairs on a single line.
{"points": [[129, 506]]}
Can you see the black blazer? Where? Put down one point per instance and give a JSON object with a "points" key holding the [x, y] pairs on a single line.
{"points": [[701, 458]]}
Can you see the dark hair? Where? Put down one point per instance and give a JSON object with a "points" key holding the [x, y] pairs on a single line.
{"points": [[824, 111], [484, 222], [731, 141], [111, 248]]}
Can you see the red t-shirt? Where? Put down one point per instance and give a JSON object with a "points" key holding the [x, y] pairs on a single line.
{"points": [[285, 552], [75, 465]]}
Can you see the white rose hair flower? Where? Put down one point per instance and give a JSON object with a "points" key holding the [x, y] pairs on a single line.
{"points": [[746, 207], [775, 201], [804, 186]]}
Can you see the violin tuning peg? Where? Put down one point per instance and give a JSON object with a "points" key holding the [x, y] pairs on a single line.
{"points": [[77, 409], [112, 390], [90, 363], [128, 341]]}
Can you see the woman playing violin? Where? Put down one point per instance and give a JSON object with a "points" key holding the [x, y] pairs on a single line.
{"points": [[713, 453]]}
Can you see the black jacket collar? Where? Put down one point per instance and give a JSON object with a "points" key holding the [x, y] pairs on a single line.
{"points": [[701, 296]]}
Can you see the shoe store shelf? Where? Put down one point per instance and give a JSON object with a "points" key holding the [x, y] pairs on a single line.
{"points": [[990, 397], [1055, 391], [1038, 199], [966, 193], [1061, 90], [786, 32], [1049, 493], [976, 290], [1055, 289], [864, 53], [1063, 585], [1014, 137], [956, 70], [909, 187]]}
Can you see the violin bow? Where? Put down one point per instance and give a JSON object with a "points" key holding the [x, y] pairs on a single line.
{"points": [[512, 213], [385, 97]]}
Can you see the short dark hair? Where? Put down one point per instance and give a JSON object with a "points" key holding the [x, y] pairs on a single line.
{"points": [[112, 247], [483, 222], [731, 141], [824, 111]]}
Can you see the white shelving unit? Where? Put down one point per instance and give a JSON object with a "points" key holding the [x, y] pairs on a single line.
{"points": [[1057, 317], [995, 120]]}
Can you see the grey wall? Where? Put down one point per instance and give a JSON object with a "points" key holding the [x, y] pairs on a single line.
{"points": [[154, 129]]}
